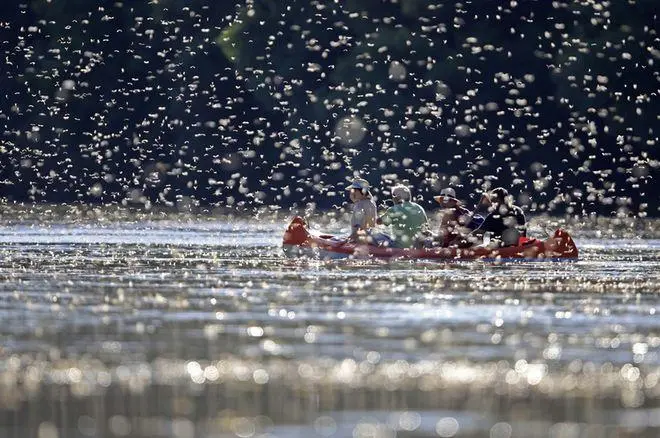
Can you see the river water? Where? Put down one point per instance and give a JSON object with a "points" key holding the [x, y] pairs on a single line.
{"points": [[200, 327]]}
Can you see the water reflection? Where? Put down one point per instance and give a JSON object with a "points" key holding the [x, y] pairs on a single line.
{"points": [[188, 329]]}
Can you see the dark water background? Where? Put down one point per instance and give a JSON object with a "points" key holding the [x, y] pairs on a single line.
{"points": [[199, 327]]}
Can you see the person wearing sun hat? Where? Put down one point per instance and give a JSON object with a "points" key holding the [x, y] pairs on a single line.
{"points": [[364, 208], [407, 220], [456, 220], [447, 198]]}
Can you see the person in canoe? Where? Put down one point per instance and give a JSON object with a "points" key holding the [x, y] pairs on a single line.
{"points": [[505, 221], [364, 209], [456, 221], [407, 220]]}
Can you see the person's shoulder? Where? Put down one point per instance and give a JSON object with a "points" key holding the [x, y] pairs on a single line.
{"points": [[417, 206]]}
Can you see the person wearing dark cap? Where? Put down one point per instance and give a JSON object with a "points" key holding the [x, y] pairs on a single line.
{"points": [[505, 222], [456, 221]]}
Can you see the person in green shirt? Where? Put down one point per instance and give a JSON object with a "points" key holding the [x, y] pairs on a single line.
{"points": [[406, 219]]}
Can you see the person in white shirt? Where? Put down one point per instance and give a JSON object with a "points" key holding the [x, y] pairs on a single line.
{"points": [[364, 208]]}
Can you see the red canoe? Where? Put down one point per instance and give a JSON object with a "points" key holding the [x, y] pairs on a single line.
{"points": [[298, 240]]}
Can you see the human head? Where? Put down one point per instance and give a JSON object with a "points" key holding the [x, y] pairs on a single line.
{"points": [[497, 196], [401, 193], [359, 189], [447, 198]]}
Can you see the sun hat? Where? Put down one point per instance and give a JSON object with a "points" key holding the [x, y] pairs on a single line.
{"points": [[401, 192], [359, 184], [447, 195]]}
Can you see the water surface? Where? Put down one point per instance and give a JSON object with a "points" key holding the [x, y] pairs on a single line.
{"points": [[200, 327]]}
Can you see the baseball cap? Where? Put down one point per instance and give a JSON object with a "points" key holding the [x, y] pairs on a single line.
{"points": [[359, 183]]}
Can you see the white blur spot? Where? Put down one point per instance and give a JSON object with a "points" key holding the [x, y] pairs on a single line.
{"points": [[397, 71], [462, 130], [447, 427], [68, 85], [350, 131], [501, 430], [47, 430]]}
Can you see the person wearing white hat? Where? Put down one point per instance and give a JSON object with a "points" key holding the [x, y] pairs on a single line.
{"points": [[364, 208], [447, 198], [406, 219], [456, 220]]}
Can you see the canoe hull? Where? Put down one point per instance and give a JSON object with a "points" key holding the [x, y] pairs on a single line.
{"points": [[300, 242]]}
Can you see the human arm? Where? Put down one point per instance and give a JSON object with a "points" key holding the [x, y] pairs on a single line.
{"points": [[385, 218], [493, 223], [522, 222]]}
